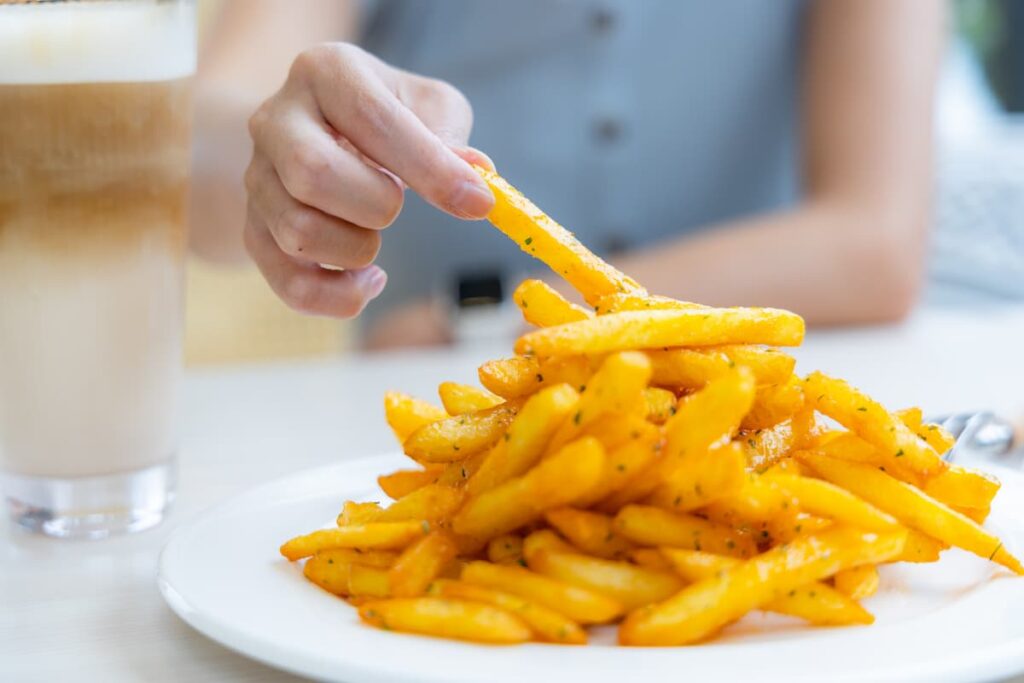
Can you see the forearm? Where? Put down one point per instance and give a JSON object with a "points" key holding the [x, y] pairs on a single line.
{"points": [[831, 264]]}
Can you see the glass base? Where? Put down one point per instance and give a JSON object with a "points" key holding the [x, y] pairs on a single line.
{"points": [[90, 507]]}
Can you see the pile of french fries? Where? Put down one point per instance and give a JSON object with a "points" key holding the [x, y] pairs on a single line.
{"points": [[653, 463]]}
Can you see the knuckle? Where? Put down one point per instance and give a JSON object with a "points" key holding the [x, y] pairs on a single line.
{"points": [[257, 122], [303, 169], [251, 178], [296, 231], [374, 113]]}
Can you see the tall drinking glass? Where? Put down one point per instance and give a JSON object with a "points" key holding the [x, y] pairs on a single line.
{"points": [[95, 109]]}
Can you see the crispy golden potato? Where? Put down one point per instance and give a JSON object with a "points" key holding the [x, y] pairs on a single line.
{"points": [[405, 414], [660, 329], [827, 500], [542, 306], [815, 602], [579, 604], [358, 513], [517, 377], [660, 404], [717, 473], [623, 464], [421, 563], [898, 446], [368, 582], [616, 387], [506, 549], [858, 582], [557, 481], [459, 399], [328, 573], [446, 618], [912, 507], [527, 437], [371, 536], [458, 437], [774, 403], [653, 526], [921, 548], [963, 487], [547, 624], [403, 482], [544, 239], [591, 532], [703, 608], [639, 301], [433, 503], [378, 559], [767, 447], [618, 429], [630, 585]]}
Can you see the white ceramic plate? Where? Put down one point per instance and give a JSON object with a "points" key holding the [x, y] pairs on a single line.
{"points": [[960, 619]]}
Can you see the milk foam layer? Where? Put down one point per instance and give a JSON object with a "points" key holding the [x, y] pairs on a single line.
{"points": [[96, 42]]}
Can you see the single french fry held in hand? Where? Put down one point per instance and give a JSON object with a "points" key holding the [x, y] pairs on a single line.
{"points": [[703, 608], [544, 239], [579, 604], [446, 618], [547, 624], [421, 563], [542, 306], [912, 507], [371, 536], [660, 329], [458, 437], [557, 481], [816, 602], [405, 414], [459, 399]]}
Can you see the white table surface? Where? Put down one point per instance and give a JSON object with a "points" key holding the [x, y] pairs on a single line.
{"points": [[90, 611]]}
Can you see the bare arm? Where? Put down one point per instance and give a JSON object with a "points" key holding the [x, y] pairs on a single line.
{"points": [[853, 250], [243, 60]]}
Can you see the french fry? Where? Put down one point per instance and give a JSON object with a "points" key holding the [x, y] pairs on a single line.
{"points": [[754, 506], [616, 387], [619, 429], [457, 474], [527, 437], [704, 607], [506, 549], [591, 532], [405, 414], [446, 618], [784, 528], [766, 447], [660, 403], [459, 399], [581, 605], [920, 548], [653, 526], [936, 437], [963, 487], [433, 503], [815, 602], [421, 563], [542, 306], [691, 369], [544, 239], [458, 437], [544, 540], [774, 403], [557, 481], [327, 573], [717, 473], [828, 500], [912, 507], [368, 582], [371, 536], [639, 301], [378, 559], [402, 482], [547, 624], [517, 377], [630, 585], [353, 512], [898, 446], [650, 558], [623, 464], [858, 582], [659, 329], [978, 515]]}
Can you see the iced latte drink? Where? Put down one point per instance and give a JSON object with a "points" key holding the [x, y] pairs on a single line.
{"points": [[94, 158]]}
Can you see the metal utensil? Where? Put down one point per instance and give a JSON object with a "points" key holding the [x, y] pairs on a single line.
{"points": [[981, 435]]}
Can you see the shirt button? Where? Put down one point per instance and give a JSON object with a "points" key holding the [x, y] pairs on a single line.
{"points": [[607, 130], [602, 20]]}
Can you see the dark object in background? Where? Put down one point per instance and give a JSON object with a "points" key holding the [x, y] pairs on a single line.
{"points": [[995, 28]]}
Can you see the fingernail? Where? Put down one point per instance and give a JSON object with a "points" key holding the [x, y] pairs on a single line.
{"points": [[474, 156], [372, 280], [472, 199]]}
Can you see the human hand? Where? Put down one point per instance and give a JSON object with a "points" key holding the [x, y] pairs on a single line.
{"points": [[334, 149]]}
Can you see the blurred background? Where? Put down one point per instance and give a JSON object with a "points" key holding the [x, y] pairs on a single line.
{"points": [[976, 255]]}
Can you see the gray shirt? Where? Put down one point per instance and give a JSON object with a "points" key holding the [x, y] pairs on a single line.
{"points": [[628, 121]]}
